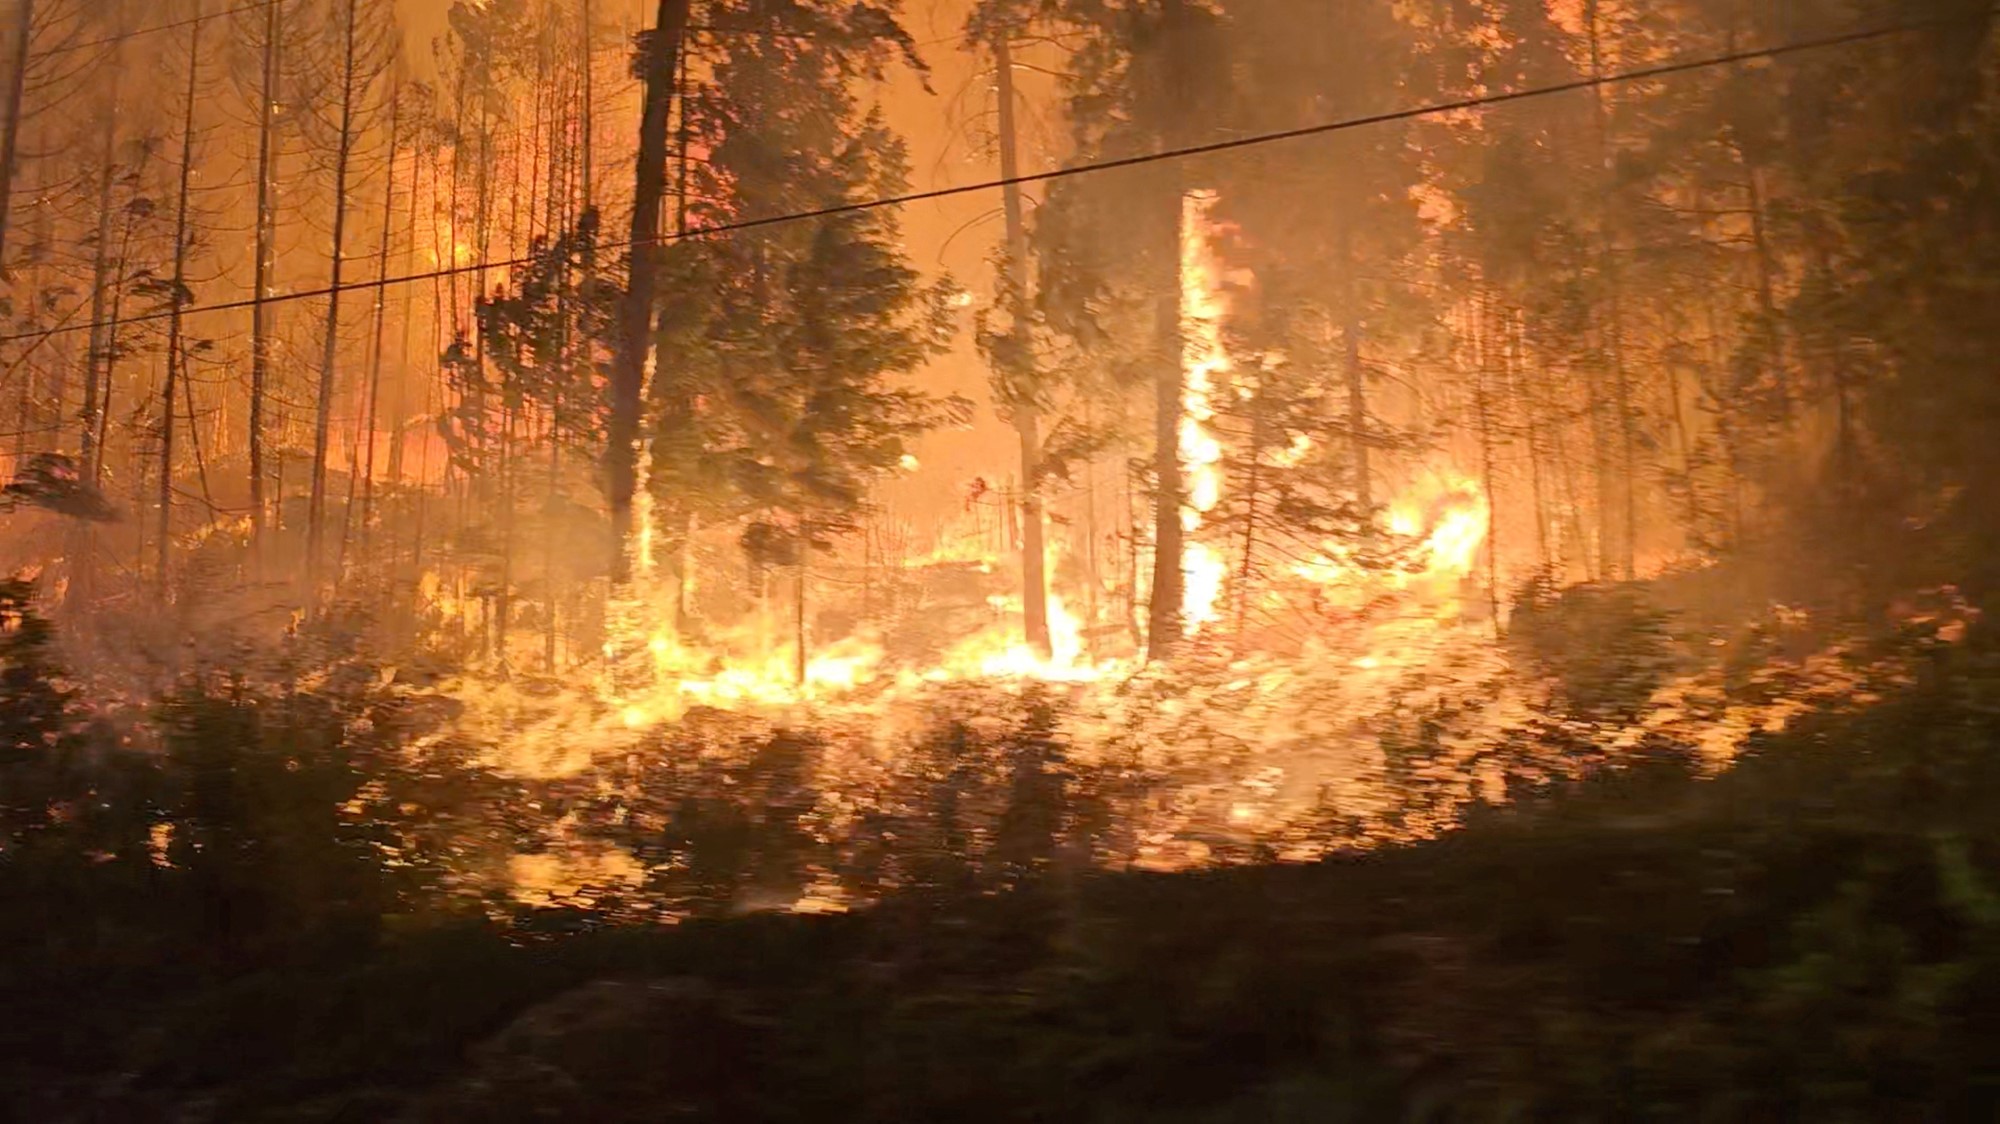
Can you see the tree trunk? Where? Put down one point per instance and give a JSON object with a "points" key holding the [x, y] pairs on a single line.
{"points": [[323, 418], [1164, 620], [399, 409], [1513, 332], [381, 325], [799, 659], [175, 339], [1129, 563], [1482, 402], [1252, 488], [110, 354], [10, 138], [1357, 417], [587, 128], [1618, 561], [628, 375], [1093, 562], [101, 284], [1164, 616], [266, 252], [89, 451], [1026, 411]]}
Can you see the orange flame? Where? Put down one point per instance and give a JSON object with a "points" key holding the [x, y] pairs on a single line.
{"points": [[1206, 361]]}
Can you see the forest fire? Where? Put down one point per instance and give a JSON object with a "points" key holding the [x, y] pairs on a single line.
{"points": [[493, 492]]}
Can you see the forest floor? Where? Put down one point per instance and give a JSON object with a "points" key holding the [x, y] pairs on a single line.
{"points": [[1813, 933]]}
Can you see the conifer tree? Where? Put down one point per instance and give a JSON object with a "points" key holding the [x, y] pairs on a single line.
{"points": [[781, 344]]}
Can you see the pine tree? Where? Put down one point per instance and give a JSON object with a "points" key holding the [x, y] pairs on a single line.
{"points": [[1020, 385], [780, 343]]}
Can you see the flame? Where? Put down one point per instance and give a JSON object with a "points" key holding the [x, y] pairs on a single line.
{"points": [[1206, 362], [685, 676], [1006, 654], [654, 677], [1438, 528], [1442, 523], [1448, 517]]}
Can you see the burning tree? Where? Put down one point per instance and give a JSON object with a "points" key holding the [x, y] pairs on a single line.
{"points": [[1112, 260]]}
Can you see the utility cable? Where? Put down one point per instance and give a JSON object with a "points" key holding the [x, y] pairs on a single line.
{"points": [[122, 36], [1643, 74]]}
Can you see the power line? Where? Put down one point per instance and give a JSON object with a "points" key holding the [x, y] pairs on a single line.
{"points": [[158, 27], [1643, 74]]}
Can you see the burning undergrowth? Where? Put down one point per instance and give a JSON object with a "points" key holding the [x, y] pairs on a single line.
{"points": [[1386, 734]]}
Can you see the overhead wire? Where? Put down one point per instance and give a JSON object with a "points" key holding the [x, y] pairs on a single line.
{"points": [[1188, 152], [152, 29]]}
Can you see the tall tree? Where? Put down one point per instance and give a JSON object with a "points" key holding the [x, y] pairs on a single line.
{"points": [[179, 297], [1145, 79], [360, 52], [268, 94], [1017, 379], [775, 398], [102, 280], [10, 133], [656, 63]]}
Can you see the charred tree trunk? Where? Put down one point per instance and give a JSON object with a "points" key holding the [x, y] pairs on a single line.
{"points": [[1253, 486], [800, 662], [1482, 404], [89, 451], [1618, 561], [399, 409], [1513, 333], [1164, 616], [1357, 418], [381, 325], [1355, 372], [587, 127], [1163, 619], [329, 350], [10, 138], [176, 341], [102, 283], [1026, 410], [1093, 546], [267, 257], [110, 353], [659, 53]]}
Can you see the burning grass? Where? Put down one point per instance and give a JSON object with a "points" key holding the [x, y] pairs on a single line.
{"points": [[1384, 732]]}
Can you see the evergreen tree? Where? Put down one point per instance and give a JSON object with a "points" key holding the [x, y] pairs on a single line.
{"points": [[780, 345]]}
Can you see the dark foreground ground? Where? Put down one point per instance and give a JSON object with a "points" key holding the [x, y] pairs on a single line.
{"points": [[1814, 935]]}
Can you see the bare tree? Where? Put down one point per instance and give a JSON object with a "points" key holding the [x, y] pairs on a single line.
{"points": [[178, 298], [361, 51]]}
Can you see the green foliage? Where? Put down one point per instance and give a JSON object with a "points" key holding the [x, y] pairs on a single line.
{"points": [[1814, 934], [1606, 647], [777, 400], [38, 726], [543, 330], [267, 821]]}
